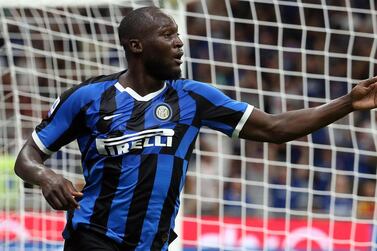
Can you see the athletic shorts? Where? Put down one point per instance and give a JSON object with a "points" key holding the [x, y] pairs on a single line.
{"points": [[88, 240]]}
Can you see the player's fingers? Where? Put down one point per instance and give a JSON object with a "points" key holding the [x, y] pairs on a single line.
{"points": [[73, 191], [64, 198], [373, 86], [54, 202], [72, 203], [369, 81], [54, 199], [76, 194], [69, 200]]}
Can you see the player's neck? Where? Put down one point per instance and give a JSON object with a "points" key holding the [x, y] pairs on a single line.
{"points": [[143, 84]]}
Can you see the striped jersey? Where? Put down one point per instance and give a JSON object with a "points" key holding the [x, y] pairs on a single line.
{"points": [[135, 151]]}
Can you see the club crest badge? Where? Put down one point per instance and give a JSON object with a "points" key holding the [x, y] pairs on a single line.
{"points": [[163, 112]]}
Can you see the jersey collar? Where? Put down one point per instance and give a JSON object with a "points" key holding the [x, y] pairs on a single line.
{"points": [[136, 96]]}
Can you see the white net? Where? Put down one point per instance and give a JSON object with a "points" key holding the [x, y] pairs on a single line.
{"points": [[315, 193]]}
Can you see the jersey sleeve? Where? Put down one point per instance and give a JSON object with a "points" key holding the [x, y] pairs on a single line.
{"points": [[218, 111], [64, 123]]}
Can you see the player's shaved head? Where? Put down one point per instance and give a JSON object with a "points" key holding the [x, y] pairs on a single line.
{"points": [[137, 23], [151, 41]]}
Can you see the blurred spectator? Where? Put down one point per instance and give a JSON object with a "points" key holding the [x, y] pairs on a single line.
{"points": [[209, 182], [343, 198], [279, 194], [236, 196], [367, 200]]}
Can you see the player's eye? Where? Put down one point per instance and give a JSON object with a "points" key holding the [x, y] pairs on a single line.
{"points": [[167, 35]]}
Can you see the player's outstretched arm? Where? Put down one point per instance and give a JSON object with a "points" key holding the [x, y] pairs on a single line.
{"points": [[291, 125], [58, 191]]}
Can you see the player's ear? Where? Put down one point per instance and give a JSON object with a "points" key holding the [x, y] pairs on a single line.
{"points": [[135, 46]]}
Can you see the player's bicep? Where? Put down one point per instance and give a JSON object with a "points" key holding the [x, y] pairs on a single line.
{"points": [[258, 127]]}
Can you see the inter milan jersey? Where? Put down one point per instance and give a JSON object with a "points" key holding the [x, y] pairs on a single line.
{"points": [[135, 151]]}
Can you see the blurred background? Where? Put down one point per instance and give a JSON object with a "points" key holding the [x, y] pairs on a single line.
{"points": [[314, 193]]}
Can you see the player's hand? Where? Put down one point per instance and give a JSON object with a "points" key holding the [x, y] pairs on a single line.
{"points": [[364, 94], [59, 192]]}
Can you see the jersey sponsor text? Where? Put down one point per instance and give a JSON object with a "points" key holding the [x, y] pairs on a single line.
{"points": [[125, 143]]}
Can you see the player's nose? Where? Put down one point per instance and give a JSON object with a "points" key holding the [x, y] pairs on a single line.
{"points": [[178, 42]]}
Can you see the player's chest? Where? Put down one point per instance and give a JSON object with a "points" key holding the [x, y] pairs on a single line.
{"points": [[136, 116], [139, 125], [124, 112]]}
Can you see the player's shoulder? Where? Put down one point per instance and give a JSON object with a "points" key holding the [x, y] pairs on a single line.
{"points": [[189, 85], [201, 91], [95, 86], [103, 78], [101, 81]]}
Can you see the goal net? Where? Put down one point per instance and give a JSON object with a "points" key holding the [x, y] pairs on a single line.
{"points": [[314, 193]]}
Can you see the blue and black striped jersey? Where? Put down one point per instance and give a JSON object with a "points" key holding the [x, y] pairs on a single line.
{"points": [[135, 151]]}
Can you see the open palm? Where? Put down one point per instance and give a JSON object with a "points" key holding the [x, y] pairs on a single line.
{"points": [[364, 94]]}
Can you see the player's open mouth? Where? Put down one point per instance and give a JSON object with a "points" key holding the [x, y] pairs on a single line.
{"points": [[177, 57], [178, 61]]}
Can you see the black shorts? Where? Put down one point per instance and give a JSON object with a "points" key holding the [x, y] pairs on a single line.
{"points": [[88, 240]]}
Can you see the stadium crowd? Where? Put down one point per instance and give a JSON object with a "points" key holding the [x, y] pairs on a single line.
{"points": [[326, 62]]}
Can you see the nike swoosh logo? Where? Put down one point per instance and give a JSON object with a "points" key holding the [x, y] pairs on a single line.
{"points": [[111, 116]]}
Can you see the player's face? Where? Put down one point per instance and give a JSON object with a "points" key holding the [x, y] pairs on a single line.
{"points": [[162, 49]]}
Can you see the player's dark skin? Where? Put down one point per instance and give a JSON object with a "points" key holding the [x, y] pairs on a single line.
{"points": [[155, 56]]}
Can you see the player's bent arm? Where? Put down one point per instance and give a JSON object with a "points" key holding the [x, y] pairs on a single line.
{"points": [[58, 191], [29, 164], [287, 126]]}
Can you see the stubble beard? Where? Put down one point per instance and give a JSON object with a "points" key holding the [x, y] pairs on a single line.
{"points": [[159, 72]]}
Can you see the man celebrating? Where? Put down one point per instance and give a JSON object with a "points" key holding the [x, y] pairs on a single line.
{"points": [[136, 130]]}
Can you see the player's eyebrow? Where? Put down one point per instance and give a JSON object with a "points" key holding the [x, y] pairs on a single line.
{"points": [[166, 28], [168, 25]]}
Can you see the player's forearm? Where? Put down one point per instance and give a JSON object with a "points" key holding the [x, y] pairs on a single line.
{"points": [[29, 165], [295, 124]]}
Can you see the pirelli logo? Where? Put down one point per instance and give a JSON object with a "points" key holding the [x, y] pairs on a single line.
{"points": [[124, 144]]}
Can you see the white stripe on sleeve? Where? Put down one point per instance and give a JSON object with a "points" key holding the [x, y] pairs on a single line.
{"points": [[242, 121], [40, 145]]}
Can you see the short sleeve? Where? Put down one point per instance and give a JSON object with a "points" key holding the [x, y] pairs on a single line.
{"points": [[64, 122], [218, 111]]}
